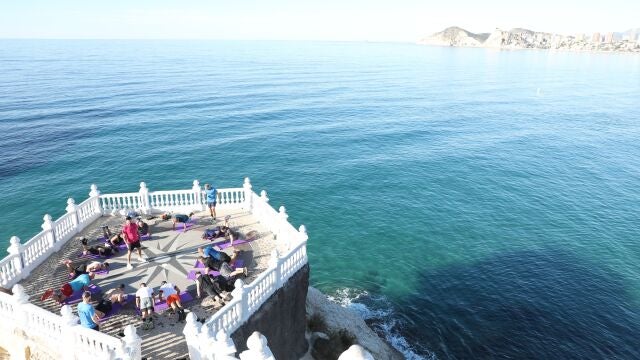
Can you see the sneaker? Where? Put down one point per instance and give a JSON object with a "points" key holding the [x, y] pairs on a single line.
{"points": [[151, 326], [129, 267], [142, 260]]}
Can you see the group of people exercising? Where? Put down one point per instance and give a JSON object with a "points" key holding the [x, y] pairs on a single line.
{"points": [[81, 274]]}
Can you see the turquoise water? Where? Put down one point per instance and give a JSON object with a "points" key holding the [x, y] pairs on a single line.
{"points": [[469, 203]]}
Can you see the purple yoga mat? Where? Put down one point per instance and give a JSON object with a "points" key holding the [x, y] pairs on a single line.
{"points": [[76, 296], [162, 306], [226, 244], [180, 226], [115, 308], [237, 264], [192, 274], [99, 272]]}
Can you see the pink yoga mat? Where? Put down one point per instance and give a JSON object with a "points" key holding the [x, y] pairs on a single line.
{"points": [[76, 296], [162, 306]]}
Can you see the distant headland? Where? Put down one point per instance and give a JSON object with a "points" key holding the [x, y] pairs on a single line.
{"points": [[628, 41]]}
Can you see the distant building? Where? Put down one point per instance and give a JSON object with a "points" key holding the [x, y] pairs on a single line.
{"points": [[608, 38], [595, 38]]}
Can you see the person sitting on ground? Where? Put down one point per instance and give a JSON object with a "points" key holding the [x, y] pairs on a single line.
{"points": [[208, 284], [181, 218], [80, 283], [143, 228], [88, 316], [145, 299], [85, 268], [172, 294], [223, 268], [132, 239], [105, 250], [116, 295]]}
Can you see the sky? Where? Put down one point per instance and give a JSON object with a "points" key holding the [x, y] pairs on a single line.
{"points": [[331, 20]]}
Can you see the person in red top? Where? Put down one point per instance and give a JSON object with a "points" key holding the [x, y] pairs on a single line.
{"points": [[132, 239]]}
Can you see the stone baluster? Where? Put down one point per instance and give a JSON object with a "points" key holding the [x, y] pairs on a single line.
{"points": [[258, 348], [248, 195], [191, 333], [224, 348], [132, 343], [15, 251], [197, 196], [69, 332], [239, 293], [48, 227], [282, 223], [356, 352], [95, 195], [143, 195], [72, 210], [274, 263], [19, 295]]}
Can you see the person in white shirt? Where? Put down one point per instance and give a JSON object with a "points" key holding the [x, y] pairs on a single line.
{"points": [[165, 290], [144, 301]]}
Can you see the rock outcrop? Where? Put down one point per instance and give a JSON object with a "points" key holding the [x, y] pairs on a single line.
{"points": [[341, 320], [454, 36]]}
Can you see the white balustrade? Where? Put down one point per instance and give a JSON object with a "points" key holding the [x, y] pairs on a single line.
{"points": [[111, 202], [64, 228], [88, 211], [230, 198]]}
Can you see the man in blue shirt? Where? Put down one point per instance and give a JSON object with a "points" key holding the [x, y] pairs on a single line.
{"points": [[212, 197], [87, 314]]}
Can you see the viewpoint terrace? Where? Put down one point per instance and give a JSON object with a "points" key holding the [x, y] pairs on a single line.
{"points": [[49, 330]]}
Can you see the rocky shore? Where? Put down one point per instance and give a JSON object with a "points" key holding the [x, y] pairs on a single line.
{"points": [[332, 329], [628, 41]]}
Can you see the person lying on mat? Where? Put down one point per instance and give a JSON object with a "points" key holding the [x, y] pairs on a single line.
{"points": [[222, 267], [116, 295], [210, 251], [85, 268], [80, 283], [143, 228], [116, 239], [99, 250], [181, 218], [207, 283]]}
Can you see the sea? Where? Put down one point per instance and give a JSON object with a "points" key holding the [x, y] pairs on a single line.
{"points": [[467, 203]]}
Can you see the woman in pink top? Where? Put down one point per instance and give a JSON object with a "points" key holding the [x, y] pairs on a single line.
{"points": [[132, 239]]}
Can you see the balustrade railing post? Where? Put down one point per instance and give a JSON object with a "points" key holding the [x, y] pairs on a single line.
{"points": [[132, 343], [69, 332], [191, 333], [197, 195], [257, 348], [356, 352], [206, 344], [72, 209], [48, 227], [282, 223], [223, 347], [274, 263], [303, 233], [95, 195], [240, 292], [248, 194], [264, 206], [143, 195], [15, 250]]}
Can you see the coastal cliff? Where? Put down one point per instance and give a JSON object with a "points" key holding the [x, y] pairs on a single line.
{"points": [[518, 38]]}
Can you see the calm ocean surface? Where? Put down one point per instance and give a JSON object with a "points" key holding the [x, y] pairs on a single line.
{"points": [[468, 203]]}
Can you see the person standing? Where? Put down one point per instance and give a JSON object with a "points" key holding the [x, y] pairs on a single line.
{"points": [[87, 314], [132, 239], [212, 197], [144, 302]]}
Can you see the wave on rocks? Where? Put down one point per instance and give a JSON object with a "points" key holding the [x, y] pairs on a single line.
{"points": [[378, 313]]}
